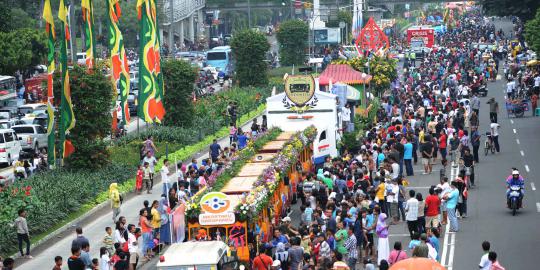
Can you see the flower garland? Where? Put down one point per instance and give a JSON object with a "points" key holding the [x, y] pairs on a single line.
{"points": [[265, 186], [219, 178]]}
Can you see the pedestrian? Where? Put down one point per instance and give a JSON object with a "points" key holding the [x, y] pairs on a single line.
{"points": [[149, 148], [139, 179], [146, 228], [9, 264], [475, 142], [432, 205], [58, 262], [351, 245], [383, 247], [147, 175], [79, 239], [282, 256], [261, 260], [494, 129], [451, 199], [427, 153], [421, 221], [165, 228], [105, 259], [152, 162], [493, 109], [534, 103], [411, 209], [108, 241], [23, 234], [495, 265], [232, 133], [475, 104], [397, 254], [85, 255], [74, 262], [485, 263], [214, 150], [116, 200], [165, 177], [296, 253]]}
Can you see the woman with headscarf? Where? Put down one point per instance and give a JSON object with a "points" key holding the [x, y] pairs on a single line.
{"points": [[383, 247], [164, 230], [114, 196]]}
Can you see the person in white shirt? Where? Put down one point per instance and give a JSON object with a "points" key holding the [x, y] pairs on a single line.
{"points": [[411, 213], [495, 135], [165, 177], [105, 262], [392, 191], [510, 87], [152, 162], [485, 263], [132, 246], [346, 116]]}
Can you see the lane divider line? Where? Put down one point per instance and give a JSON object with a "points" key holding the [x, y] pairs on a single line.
{"points": [[522, 153], [452, 248], [538, 207], [514, 131], [517, 141], [533, 187], [512, 121], [527, 168], [445, 241]]}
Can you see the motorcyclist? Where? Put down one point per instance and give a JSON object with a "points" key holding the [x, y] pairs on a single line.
{"points": [[221, 74], [515, 179]]}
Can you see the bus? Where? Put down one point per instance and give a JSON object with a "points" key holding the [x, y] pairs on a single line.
{"points": [[241, 233], [8, 90], [221, 58]]}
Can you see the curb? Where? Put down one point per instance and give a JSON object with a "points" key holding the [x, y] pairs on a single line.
{"points": [[106, 203]]}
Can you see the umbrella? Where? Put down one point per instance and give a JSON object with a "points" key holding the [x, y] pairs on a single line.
{"points": [[417, 263]]}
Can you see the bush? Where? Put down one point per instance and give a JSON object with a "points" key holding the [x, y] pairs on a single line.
{"points": [[249, 48], [50, 197]]}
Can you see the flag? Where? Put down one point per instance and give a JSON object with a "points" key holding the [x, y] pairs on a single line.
{"points": [[49, 28], [445, 17], [87, 7], [151, 92], [67, 118], [119, 61]]}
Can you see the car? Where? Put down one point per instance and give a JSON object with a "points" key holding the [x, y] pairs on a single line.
{"points": [[32, 120], [31, 137], [30, 108], [10, 147]]}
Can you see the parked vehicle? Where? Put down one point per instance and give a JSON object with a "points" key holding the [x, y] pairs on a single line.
{"points": [[10, 147], [31, 137], [32, 120], [30, 108]]}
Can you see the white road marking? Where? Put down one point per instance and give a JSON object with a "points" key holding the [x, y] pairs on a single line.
{"points": [[533, 187], [527, 168], [517, 141], [515, 131], [399, 235], [512, 121], [445, 244], [522, 153], [452, 248], [538, 207]]}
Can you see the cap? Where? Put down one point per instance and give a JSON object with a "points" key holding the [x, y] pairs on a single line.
{"points": [[276, 263], [286, 219], [326, 173], [514, 172], [320, 235]]}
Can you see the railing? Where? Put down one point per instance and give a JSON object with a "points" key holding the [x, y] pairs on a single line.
{"points": [[181, 9]]}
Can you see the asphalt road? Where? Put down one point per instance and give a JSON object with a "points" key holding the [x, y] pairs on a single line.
{"points": [[514, 238]]}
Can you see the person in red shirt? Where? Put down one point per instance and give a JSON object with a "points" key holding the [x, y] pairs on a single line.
{"points": [[262, 261], [433, 204], [534, 103], [442, 144]]}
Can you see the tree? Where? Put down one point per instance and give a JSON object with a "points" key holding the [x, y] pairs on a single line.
{"points": [[249, 48], [525, 9], [91, 94], [22, 49], [179, 77], [532, 32], [383, 70], [293, 37]]}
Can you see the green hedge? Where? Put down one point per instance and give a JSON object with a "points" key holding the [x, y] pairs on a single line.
{"points": [[50, 197]]}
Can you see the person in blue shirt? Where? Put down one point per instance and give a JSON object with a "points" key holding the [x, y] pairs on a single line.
{"points": [[242, 140], [407, 157], [433, 238], [381, 157], [451, 203], [278, 238]]}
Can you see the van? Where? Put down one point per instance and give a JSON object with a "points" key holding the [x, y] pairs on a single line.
{"points": [[205, 255], [10, 147], [30, 108]]}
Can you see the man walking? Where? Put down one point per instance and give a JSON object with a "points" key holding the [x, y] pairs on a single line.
{"points": [[350, 245], [493, 109], [411, 213], [23, 233], [475, 104], [214, 151], [407, 157], [475, 141], [495, 135], [114, 196]]}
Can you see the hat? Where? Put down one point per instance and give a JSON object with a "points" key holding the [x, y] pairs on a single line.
{"points": [[276, 263], [286, 219], [515, 172], [326, 173]]}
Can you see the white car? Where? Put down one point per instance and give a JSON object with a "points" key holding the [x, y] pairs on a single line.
{"points": [[30, 108], [10, 147], [31, 137]]}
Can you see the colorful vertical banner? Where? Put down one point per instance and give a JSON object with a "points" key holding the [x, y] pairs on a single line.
{"points": [[119, 61], [151, 92], [67, 118], [49, 28], [357, 17], [87, 7]]}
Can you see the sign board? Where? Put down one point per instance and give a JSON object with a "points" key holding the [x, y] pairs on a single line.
{"points": [[215, 203], [327, 36], [407, 6], [421, 37], [217, 219], [300, 89]]}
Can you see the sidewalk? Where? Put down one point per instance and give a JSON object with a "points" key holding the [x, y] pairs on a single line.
{"points": [[94, 225]]}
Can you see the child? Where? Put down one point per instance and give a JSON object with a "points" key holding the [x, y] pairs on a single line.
{"points": [[146, 177], [368, 265], [108, 242], [139, 179]]}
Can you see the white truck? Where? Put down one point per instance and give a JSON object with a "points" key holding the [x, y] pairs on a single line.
{"points": [[203, 255], [32, 137]]}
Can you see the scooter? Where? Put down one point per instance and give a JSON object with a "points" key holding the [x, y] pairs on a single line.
{"points": [[514, 202]]}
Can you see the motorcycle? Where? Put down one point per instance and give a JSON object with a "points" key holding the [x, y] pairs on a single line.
{"points": [[221, 81], [514, 201]]}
